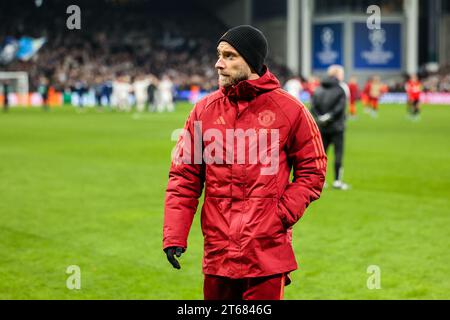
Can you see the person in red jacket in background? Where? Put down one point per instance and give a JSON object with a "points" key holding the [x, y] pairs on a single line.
{"points": [[413, 89], [250, 204], [376, 90], [365, 95], [313, 84], [354, 95]]}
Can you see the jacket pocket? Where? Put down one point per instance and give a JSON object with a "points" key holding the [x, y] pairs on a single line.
{"points": [[282, 216]]}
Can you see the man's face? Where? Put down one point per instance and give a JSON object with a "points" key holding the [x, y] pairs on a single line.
{"points": [[230, 65], [340, 75]]}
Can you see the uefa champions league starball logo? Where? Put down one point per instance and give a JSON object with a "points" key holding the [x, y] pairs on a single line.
{"points": [[377, 55], [377, 39], [327, 38], [327, 56]]}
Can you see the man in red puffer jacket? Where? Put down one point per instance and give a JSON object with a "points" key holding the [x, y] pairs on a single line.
{"points": [[242, 142]]}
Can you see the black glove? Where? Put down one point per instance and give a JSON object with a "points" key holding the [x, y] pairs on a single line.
{"points": [[170, 252]]}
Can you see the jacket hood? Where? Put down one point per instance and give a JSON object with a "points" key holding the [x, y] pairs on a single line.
{"points": [[330, 82], [249, 89]]}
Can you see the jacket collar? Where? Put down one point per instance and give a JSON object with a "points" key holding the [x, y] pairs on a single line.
{"points": [[247, 90]]}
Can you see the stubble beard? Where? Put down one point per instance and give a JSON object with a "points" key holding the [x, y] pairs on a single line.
{"points": [[228, 81]]}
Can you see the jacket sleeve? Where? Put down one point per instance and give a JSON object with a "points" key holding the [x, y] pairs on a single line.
{"points": [[314, 110], [340, 105], [305, 152], [186, 180]]}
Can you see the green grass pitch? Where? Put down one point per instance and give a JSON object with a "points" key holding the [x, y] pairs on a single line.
{"points": [[87, 189]]}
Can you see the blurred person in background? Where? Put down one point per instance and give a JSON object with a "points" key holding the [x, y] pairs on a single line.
{"points": [[98, 89], [354, 95], [413, 89], [294, 87], [365, 95], [140, 86], [107, 91], [328, 106], [79, 88], [5, 89], [376, 90], [165, 95], [43, 89], [121, 92], [151, 93], [313, 84]]}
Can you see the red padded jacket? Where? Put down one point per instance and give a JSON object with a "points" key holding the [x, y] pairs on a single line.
{"points": [[250, 204]]}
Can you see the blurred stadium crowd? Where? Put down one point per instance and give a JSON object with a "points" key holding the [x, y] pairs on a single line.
{"points": [[118, 40], [134, 44]]}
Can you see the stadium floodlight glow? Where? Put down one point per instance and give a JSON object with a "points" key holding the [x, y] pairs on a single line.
{"points": [[38, 3]]}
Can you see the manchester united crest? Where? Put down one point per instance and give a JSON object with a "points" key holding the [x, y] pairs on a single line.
{"points": [[266, 118]]}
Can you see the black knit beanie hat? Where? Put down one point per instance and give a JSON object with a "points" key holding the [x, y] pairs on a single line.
{"points": [[250, 43]]}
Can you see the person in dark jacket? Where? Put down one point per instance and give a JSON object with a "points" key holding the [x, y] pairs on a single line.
{"points": [[5, 96], [43, 89], [328, 107]]}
